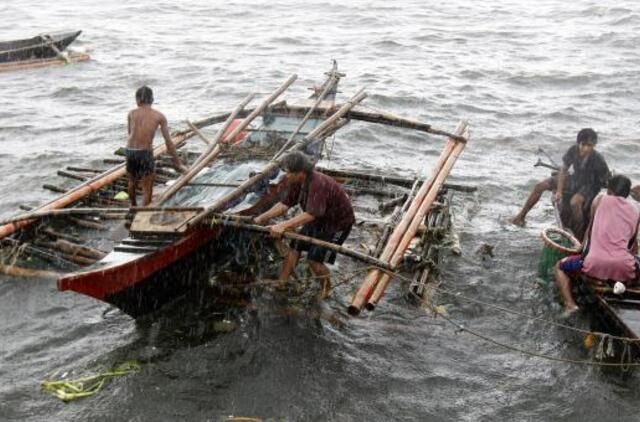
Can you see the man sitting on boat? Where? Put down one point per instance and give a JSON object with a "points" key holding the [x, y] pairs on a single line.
{"points": [[590, 175], [143, 122], [327, 215], [611, 244]]}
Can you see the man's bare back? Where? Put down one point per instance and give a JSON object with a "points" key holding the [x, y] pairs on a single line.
{"points": [[143, 124]]}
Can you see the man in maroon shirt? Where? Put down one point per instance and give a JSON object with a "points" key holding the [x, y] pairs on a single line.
{"points": [[327, 215]]}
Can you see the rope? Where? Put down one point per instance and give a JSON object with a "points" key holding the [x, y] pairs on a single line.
{"points": [[608, 337], [88, 386], [513, 312], [461, 327], [625, 362], [625, 358]]}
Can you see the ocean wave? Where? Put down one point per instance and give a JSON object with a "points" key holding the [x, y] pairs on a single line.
{"points": [[556, 79]]}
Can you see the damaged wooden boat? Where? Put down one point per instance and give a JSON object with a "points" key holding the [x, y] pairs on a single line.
{"points": [[192, 225], [39, 51]]}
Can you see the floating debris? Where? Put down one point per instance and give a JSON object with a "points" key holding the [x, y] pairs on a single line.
{"points": [[68, 390]]}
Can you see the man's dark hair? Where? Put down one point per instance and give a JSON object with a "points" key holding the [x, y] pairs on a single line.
{"points": [[620, 185], [587, 136], [295, 162], [144, 95]]}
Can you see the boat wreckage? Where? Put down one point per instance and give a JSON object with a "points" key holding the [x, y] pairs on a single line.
{"points": [[142, 258]]}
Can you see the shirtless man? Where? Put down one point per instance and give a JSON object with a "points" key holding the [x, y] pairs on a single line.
{"points": [[142, 124]]}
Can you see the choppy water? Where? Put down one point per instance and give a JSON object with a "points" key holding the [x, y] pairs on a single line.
{"points": [[526, 75]]}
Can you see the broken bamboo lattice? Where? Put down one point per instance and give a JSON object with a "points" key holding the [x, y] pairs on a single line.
{"points": [[210, 153], [249, 183], [411, 231], [368, 286], [334, 77]]}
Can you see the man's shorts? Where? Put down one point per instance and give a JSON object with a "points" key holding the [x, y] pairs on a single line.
{"points": [[571, 189], [572, 264], [139, 162], [317, 253]]}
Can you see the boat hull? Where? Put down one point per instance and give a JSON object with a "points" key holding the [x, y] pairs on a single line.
{"points": [[35, 48], [38, 63], [146, 282], [618, 315]]}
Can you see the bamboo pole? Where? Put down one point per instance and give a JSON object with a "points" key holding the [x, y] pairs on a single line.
{"points": [[605, 290], [247, 184], [219, 118], [198, 133], [63, 212], [333, 78], [39, 252], [393, 221], [72, 249], [395, 180], [381, 117], [72, 175], [368, 286], [88, 211], [54, 234], [88, 224], [16, 271], [419, 217], [296, 236], [85, 169], [384, 118]]}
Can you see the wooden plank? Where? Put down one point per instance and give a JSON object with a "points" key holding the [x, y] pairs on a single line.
{"points": [[161, 221]]}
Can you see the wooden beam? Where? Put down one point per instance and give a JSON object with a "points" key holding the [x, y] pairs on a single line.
{"points": [[296, 236]]}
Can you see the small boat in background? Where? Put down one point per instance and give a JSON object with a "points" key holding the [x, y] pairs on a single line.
{"points": [[39, 51]]}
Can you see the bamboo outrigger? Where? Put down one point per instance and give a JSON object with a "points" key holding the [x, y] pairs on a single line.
{"points": [[169, 246]]}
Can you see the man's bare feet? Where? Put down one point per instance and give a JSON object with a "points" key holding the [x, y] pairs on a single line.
{"points": [[325, 291], [568, 312], [517, 221]]}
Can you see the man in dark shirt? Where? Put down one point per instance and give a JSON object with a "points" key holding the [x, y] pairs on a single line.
{"points": [[327, 215], [590, 175]]}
